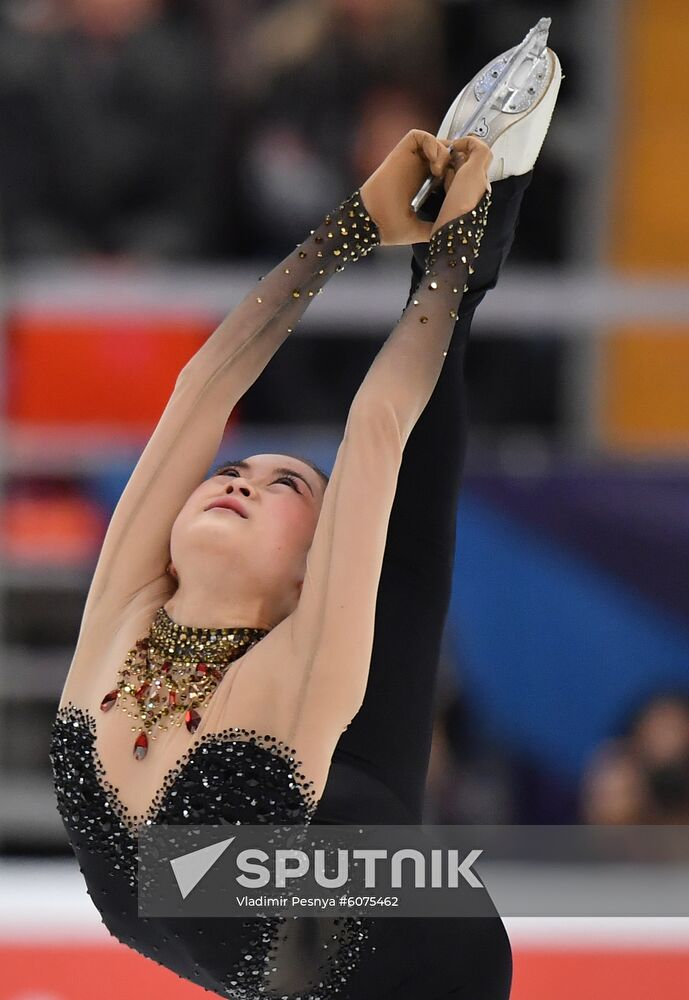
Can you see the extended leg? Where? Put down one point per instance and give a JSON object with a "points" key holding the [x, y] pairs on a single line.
{"points": [[389, 738]]}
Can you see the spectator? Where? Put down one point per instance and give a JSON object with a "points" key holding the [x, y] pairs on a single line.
{"points": [[659, 735], [470, 779], [108, 120], [642, 776], [615, 789], [315, 74]]}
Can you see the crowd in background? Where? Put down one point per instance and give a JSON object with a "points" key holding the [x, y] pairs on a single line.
{"points": [[186, 129], [639, 775], [178, 130]]}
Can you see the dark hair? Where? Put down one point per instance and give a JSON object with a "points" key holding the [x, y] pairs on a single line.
{"points": [[325, 478]]}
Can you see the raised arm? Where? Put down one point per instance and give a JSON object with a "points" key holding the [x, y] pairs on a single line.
{"points": [[135, 551], [185, 441], [332, 627]]}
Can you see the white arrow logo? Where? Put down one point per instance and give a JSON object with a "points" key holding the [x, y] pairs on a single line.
{"points": [[190, 868]]}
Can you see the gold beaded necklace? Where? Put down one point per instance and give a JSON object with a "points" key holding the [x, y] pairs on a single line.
{"points": [[173, 671]]}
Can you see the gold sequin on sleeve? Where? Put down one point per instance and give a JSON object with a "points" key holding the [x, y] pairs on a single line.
{"points": [[345, 234], [457, 243], [451, 250]]}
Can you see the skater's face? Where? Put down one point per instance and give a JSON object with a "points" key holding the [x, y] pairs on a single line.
{"points": [[280, 495], [265, 528]]}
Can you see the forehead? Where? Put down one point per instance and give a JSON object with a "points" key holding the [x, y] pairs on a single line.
{"points": [[265, 463]]}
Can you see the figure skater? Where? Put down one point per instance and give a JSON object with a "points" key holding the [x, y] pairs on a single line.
{"points": [[258, 638]]}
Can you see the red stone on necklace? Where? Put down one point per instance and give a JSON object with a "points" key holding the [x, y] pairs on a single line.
{"points": [[141, 746], [109, 700], [192, 719]]}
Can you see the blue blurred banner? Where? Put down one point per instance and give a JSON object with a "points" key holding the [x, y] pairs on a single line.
{"points": [[570, 604]]}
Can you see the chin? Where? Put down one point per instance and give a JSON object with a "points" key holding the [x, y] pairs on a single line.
{"points": [[206, 543]]}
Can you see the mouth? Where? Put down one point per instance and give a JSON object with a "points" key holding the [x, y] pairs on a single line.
{"points": [[229, 503]]}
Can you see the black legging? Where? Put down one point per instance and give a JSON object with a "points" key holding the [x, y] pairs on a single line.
{"points": [[379, 767]]}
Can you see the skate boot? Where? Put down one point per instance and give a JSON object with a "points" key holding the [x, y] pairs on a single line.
{"points": [[508, 104]]}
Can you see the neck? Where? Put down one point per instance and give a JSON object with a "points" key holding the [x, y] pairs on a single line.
{"points": [[202, 610]]}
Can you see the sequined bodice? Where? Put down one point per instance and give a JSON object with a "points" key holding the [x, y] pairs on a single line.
{"points": [[231, 776], [235, 776]]}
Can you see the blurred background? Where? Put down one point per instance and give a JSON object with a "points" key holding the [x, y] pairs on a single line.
{"points": [[156, 158]]}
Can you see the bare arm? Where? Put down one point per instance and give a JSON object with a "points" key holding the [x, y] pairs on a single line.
{"points": [[185, 441], [135, 551], [332, 627]]}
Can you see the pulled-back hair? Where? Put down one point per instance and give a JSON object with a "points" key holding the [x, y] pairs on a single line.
{"points": [[312, 465]]}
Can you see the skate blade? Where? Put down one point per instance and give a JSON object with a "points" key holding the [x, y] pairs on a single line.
{"points": [[509, 85]]}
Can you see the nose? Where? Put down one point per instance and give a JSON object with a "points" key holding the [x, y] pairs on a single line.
{"points": [[239, 485]]}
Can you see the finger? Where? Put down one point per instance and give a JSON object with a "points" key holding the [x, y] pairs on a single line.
{"points": [[457, 158], [464, 145], [472, 146], [434, 151], [437, 154]]}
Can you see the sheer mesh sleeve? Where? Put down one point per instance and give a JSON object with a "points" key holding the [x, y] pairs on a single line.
{"points": [[332, 627], [182, 448]]}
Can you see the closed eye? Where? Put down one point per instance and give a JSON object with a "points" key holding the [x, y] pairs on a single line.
{"points": [[231, 471], [291, 480]]}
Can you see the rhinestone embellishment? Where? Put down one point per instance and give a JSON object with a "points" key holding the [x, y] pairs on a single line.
{"points": [[442, 258], [468, 229], [171, 672], [232, 777]]}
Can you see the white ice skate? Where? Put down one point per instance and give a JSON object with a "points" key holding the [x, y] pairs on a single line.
{"points": [[508, 104]]}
